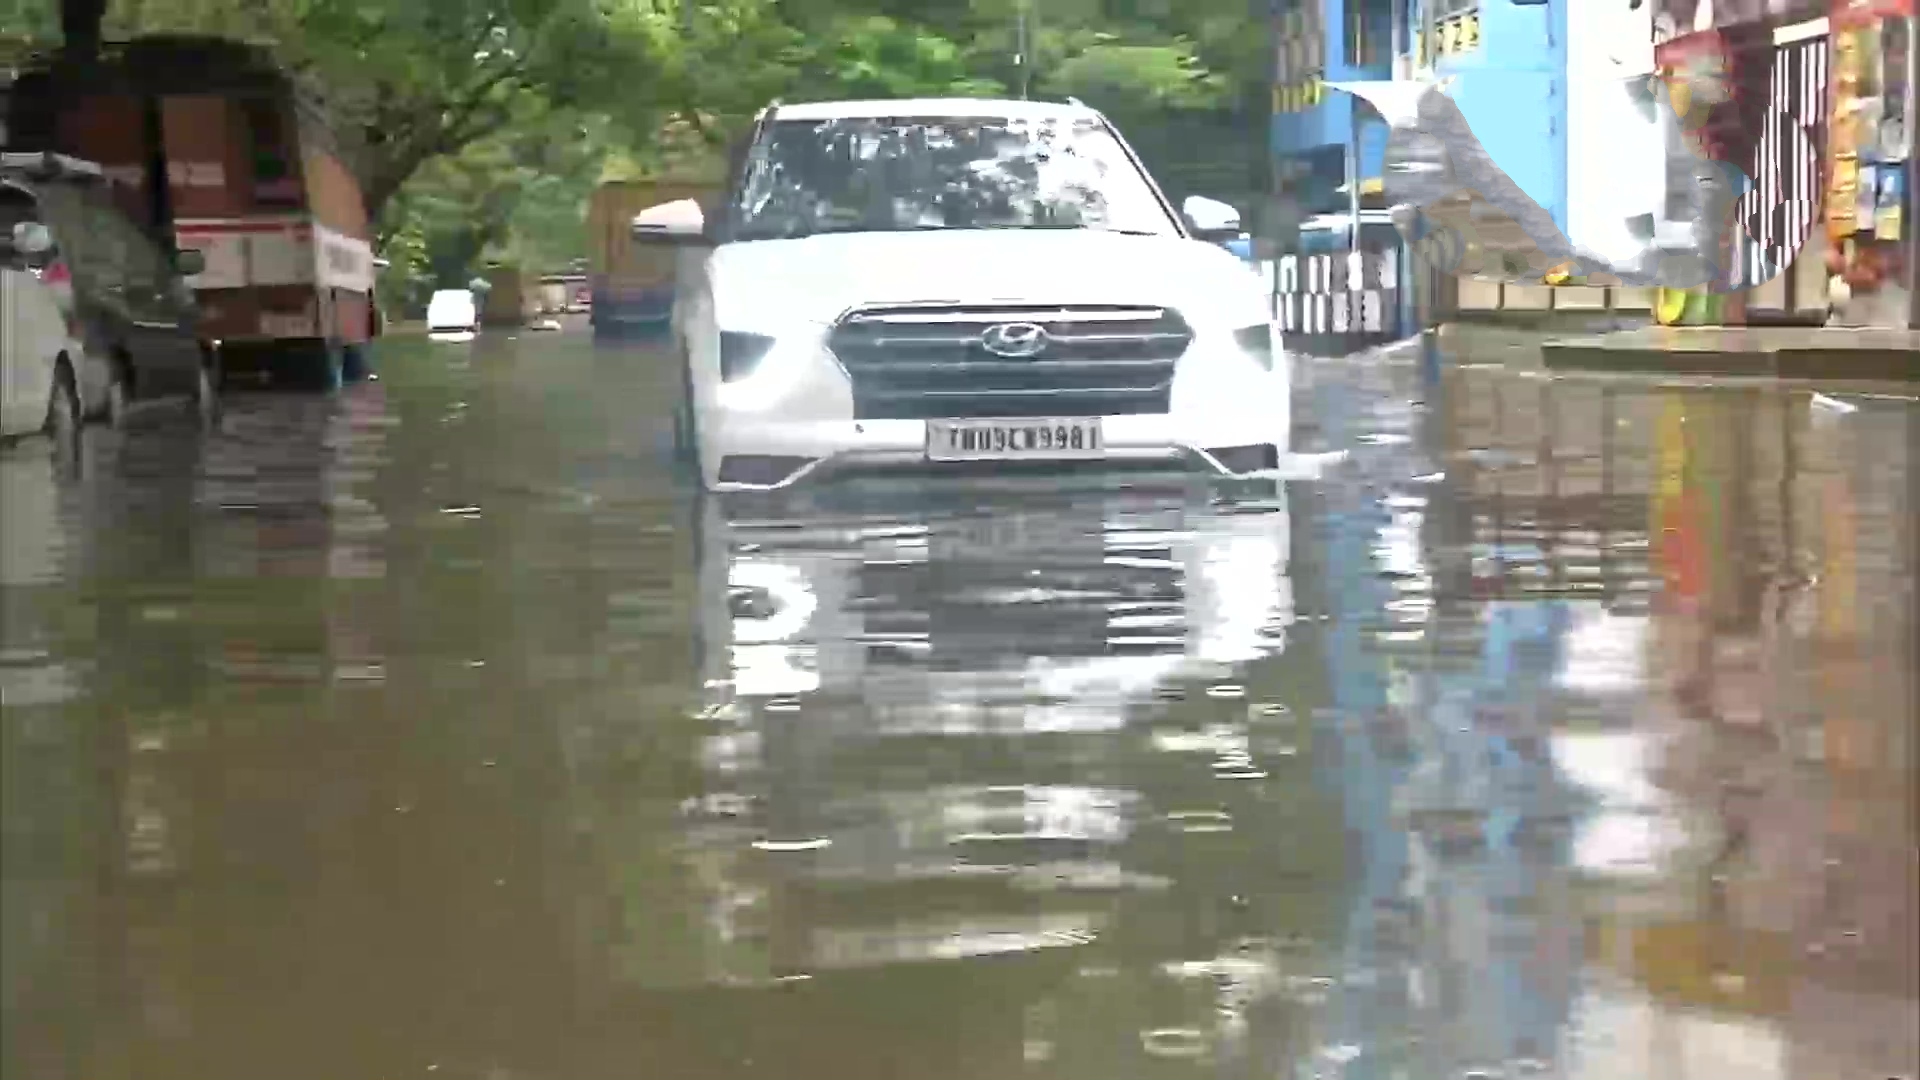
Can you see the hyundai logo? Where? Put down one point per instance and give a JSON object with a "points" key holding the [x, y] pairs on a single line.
{"points": [[1014, 340]]}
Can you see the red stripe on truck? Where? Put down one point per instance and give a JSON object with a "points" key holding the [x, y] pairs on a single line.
{"points": [[216, 228]]}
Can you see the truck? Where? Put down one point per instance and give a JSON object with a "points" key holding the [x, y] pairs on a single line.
{"points": [[212, 146], [632, 285], [508, 301], [564, 293]]}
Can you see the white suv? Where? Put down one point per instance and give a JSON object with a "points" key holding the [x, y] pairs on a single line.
{"points": [[900, 282]]}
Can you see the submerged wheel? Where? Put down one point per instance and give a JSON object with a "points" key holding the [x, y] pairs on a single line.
{"points": [[206, 389], [333, 371], [65, 419], [119, 395], [353, 362]]}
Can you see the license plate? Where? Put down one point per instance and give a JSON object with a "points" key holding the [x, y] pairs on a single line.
{"points": [[285, 326], [1008, 440]]}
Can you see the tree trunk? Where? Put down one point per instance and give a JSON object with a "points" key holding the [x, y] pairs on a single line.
{"points": [[80, 25]]}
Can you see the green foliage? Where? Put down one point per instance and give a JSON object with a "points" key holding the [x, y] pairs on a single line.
{"points": [[1136, 78], [518, 195], [29, 20], [878, 56], [479, 127]]}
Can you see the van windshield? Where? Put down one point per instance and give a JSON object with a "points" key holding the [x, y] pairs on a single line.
{"points": [[878, 174], [450, 309]]}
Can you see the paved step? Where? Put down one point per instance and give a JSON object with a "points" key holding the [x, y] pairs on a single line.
{"points": [[1780, 352]]}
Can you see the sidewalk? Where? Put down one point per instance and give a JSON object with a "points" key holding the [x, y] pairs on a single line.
{"points": [[1777, 352]]}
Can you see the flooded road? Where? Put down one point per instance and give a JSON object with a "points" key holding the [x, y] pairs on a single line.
{"points": [[1563, 729]]}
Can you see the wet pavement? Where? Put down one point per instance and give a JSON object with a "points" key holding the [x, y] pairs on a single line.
{"points": [[1562, 729]]}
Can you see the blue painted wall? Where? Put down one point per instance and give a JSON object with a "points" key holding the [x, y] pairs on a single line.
{"points": [[1513, 91], [1330, 123]]}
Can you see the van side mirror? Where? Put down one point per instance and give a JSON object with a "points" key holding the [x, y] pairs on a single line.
{"points": [[32, 241], [680, 223], [190, 261]]}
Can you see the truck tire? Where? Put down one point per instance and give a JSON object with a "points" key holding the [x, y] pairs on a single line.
{"points": [[333, 366], [65, 420], [354, 367], [206, 388]]}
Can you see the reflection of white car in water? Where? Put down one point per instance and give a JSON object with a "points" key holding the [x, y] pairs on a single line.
{"points": [[897, 282], [40, 360], [1023, 644], [1093, 604]]}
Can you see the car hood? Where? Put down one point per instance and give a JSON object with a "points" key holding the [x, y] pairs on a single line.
{"points": [[814, 279]]}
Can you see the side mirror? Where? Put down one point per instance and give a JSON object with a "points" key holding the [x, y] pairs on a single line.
{"points": [[680, 222], [32, 239], [190, 261], [1211, 219]]}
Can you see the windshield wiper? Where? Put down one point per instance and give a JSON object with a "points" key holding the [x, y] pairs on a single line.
{"points": [[850, 227], [836, 227], [1071, 228]]}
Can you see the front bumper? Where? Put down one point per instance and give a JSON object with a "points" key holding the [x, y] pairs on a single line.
{"points": [[777, 459], [1224, 420]]}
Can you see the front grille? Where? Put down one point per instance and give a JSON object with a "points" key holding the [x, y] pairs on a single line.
{"points": [[929, 361]]}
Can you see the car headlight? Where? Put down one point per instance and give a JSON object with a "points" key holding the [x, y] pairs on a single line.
{"points": [[741, 353], [1257, 342]]}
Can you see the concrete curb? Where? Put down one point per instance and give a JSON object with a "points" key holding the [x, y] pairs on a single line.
{"points": [[1838, 363]]}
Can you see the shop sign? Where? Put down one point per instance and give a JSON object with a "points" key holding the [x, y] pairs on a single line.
{"points": [[1459, 36], [1673, 19], [1860, 12], [1843, 133], [1300, 62]]}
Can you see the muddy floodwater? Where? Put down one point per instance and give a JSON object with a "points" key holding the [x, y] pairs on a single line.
{"points": [[1544, 728]]}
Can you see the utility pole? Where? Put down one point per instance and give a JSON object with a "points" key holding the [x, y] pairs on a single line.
{"points": [[1398, 29], [1429, 282], [1022, 48]]}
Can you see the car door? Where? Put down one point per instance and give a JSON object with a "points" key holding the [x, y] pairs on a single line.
{"points": [[13, 356], [179, 307], [30, 327], [160, 332], [95, 257]]}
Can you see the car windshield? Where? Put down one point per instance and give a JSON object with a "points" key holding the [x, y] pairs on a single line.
{"points": [[874, 174]]}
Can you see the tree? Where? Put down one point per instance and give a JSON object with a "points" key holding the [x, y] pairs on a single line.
{"points": [[410, 82], [518, 196], [478, 127], [407, 81]]}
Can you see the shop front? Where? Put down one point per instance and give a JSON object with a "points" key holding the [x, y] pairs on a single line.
{"points": [[1869, 257], [1744, 85]]}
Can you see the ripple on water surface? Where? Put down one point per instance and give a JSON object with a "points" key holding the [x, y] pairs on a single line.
{"points": [[1556, 729]]}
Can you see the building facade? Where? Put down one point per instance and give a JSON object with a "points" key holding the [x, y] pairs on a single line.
{"points": [[1508, 60], [1317, 136], [1329, 154]]}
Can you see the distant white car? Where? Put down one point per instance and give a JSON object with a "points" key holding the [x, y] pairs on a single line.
{"points": [[892, 283], [41, 360], [453, 313]]}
